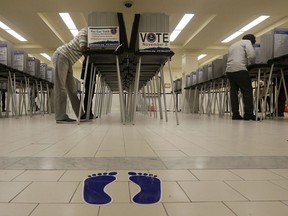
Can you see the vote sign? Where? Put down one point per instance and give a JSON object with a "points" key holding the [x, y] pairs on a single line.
{"points": [[154, 42]]}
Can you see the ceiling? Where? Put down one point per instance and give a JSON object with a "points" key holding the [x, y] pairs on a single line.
{"points": [[38, 21]]}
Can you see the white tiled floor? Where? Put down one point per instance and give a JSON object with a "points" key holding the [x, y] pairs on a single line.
{"points": [[207, 166]]}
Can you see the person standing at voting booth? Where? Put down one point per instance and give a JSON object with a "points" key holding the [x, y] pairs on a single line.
{"points": [[63, 59], [240, 54]]}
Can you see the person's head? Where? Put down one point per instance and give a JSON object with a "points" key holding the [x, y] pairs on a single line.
{"points": [[250, 37]]}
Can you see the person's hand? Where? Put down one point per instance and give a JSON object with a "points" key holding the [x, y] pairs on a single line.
{"points": [[84, 48]]}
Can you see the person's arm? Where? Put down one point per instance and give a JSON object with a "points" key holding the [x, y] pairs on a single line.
{"points": [[251, 55], [83, 39]]}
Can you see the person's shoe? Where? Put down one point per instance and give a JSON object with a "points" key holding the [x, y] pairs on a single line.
{"points": [[251, 117], [280, 114], [237, 117], [274, 115], [270, 115], [66, 121], [83, 117]]}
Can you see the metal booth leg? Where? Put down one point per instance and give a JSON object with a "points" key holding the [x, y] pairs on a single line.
{"points": [[82, 90], [121, 93], [173, 92]]}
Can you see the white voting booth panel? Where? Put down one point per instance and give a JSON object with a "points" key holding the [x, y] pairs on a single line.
{"points": [[194, 78], [50, 74], [219, 67], [188, 80], [33, 66], [257, 49], [20, 59], [199, 74], [43, 71], [103, 30], [6, 53], [153, 33], [210, 71], [205, 73], [178, 84], [274, 44]]}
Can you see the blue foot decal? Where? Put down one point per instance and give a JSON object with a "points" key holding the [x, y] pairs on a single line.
{"points": [[94, 185], [150, 186]]}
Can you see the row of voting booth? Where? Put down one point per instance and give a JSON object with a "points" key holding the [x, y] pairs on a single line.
{"points": [[26, 80], [211, 84], [133, 69], [19, 60]]}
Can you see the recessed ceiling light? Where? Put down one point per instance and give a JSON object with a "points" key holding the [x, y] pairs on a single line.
{"points": [[180, 26], [233, 36], [69, 23], [11, 32], [46, 56], [201, 56], [254, 23], [174, 35], [245, 28]]}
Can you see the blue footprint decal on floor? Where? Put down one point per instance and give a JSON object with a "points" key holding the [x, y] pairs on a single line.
{"points": [[150, 186], [94, 185]]}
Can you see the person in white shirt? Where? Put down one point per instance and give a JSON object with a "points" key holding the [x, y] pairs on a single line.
{"points": [[63, 59], [240, 54]]}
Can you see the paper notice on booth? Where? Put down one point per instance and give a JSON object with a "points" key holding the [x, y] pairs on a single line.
{"points": [[103, 37], [3, 54], [280, 42]]}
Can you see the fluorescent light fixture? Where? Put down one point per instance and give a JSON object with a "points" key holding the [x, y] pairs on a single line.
{"points": [[3, 26], [68, 20], [11, 32], [184, 21], [174, 35], [245, 28], [74, 32], [180, 26], [201, 56], [231, 37], [69, 23], [254, 23], [46, 56]]}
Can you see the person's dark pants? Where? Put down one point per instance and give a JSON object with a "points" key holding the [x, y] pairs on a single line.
{"points": [[3, 100], [282, 97], [241, 80], [87, 86]]}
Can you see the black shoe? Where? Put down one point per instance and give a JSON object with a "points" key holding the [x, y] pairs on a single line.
{"points": [[274, 115], [66, 121], [270, 115], [280, 114], [251, 117], [237, 117], [91, 116]]}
